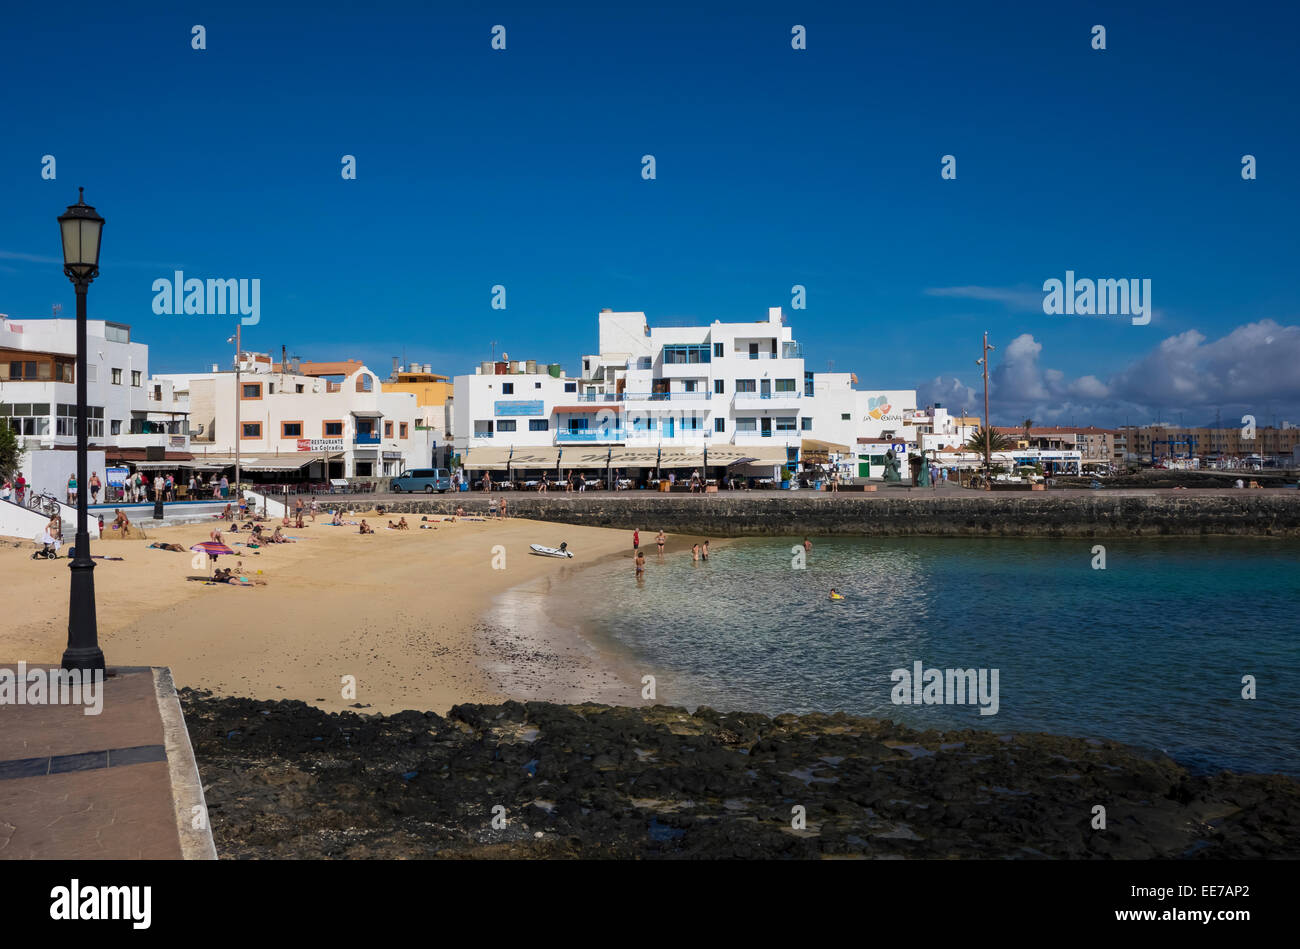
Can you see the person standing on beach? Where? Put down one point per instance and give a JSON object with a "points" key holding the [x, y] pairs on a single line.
{"points": [[660, 541], [315, 507], [501, 509], [704, 551], [636, 540]]}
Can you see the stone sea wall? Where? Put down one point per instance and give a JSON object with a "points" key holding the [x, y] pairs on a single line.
{"points": [[897, 512]]}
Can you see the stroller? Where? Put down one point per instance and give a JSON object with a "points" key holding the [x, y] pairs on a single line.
{"points": [[46, 552]]}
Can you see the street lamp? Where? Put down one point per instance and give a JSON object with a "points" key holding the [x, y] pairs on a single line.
{"points": [[81, 228]]}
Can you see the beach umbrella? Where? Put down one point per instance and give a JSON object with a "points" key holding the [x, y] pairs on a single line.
{"points": [[213, 549]]}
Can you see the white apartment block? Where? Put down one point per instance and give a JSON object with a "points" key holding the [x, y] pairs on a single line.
{"points": [[680, 397], [130, 413], [294, 424]]}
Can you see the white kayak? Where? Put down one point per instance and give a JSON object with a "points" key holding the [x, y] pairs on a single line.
{"points": [[561, 551]]}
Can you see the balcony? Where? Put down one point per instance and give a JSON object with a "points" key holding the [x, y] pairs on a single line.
{"points": [[667, 396], [366, 438], [483, 434], [598, 397], [767, 400], [590, 436]]}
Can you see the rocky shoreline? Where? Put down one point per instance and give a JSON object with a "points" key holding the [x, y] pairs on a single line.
{"points": [[896, 512], [285, 780]]}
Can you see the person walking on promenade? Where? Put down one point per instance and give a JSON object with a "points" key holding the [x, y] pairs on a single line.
{"points": [[225, 487], [194, 486], [72, 489], [582, 481], [487, 481], [159, 487], [171, 486], [95, 485], [659, 542], [6, 490], [636, 540], [20, 487]]}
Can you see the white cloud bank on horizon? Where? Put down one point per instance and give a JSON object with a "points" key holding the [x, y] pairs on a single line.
{"points": [[1254, 369]]}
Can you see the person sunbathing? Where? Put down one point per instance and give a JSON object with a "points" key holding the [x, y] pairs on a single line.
{"points": [[402, 525], [298, 525], [392, 526], [366, 528], [225, 575], [176, 547], [337, 519]]}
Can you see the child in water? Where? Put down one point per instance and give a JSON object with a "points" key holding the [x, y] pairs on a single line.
{"points": [[835, 595]]}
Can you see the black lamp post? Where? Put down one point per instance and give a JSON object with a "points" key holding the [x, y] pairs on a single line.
{"points": [[81, 228]]}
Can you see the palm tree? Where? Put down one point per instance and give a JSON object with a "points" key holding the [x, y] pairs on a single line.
{"points": [[1029, 423], [987, 442]]}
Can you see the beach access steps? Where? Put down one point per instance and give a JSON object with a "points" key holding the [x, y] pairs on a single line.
{"points": [[22, 522], [259, 502]]}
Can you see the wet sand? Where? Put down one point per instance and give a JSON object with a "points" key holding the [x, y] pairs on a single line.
{"points": [[407, 613]]}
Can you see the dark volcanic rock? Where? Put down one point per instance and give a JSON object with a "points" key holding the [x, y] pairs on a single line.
{"points": [[287, 780]]}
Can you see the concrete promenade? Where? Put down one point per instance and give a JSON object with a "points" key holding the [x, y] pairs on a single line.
{"points": [[121, 784]]}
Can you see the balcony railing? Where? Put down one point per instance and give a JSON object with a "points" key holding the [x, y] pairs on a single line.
{"points": [[590, 435], [599, 397], [767, 395], [366, 438], [483, 434], [666, 396]]}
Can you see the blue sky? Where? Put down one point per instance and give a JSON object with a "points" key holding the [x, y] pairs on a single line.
{"points": [[775, 167]]}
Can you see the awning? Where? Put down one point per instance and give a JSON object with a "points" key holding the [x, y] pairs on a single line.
{"points": [[290, 462], [634, 457], [367, 413], [584, 457], [487, 459], [539, 457], [757, 455], [727, 454], [816, 444], [682, 458]]}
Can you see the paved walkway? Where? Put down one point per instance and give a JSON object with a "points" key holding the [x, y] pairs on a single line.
{"points": [[118, 785]]}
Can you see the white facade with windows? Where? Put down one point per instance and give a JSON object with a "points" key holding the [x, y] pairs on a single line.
{"points": [[679, 396], [38, 392], [292, 422]]}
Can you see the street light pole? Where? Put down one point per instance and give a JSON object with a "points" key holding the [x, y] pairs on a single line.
{"points": [[81, 229], [988, 435]]}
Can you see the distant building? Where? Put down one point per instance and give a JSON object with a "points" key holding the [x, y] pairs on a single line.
{"points": [[433, 398], [132, 417]]}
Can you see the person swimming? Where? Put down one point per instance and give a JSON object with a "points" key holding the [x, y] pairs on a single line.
{"points": [[835, 595]]}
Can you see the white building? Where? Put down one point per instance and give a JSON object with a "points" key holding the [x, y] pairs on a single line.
{"points": [[132, 416], [293, 422], [668, 397]]}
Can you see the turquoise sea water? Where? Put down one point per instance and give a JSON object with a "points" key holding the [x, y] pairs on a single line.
{"points": [[1150, 650]]}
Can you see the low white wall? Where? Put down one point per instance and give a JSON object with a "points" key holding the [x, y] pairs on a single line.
{"points": [[274, 508]]}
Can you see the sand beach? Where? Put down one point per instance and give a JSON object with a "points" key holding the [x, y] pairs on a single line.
{"points": [[405, 612]]}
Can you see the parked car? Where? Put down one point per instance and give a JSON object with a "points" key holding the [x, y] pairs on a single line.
{"points": [[427, 480]]}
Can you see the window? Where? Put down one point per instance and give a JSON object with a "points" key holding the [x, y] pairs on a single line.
{"points": [[785, 385], [578, 423], [640, 424], [115, 427], [689, 385], [805, 423], [537, 385], [117, 377], [251, 390], [717, 350], [291, 429], [681, 354], [332, 429], [643, 362], [505, 425], [297, 387], [117, 333], [507, 388], [746, 385], [719, 386], [746, 425], [570, 387], [719, 424], [92, 373], [785, 424], [844, 417], [270, 388], [388, 429], [137, 378], [251, 430], [539, 425], [402, 430]]}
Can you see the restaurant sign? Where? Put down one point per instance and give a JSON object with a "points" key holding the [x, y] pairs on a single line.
{"points": [[320, 444]]}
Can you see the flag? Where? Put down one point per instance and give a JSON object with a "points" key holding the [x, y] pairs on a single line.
{"points": [[11, 327]]}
